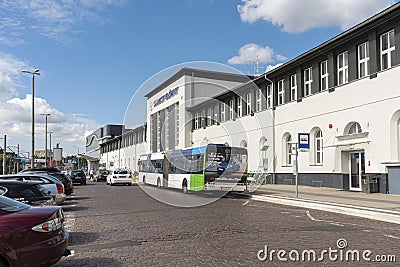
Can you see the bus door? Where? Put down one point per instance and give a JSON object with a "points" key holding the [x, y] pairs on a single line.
{"points": [[165, 172]]}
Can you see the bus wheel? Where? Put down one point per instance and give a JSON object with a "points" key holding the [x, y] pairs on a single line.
{"points": [[158, 183], [144, 180], [184, 187]]}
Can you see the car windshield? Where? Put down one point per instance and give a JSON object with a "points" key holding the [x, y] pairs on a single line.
{"points": [[121, 172], [9, 205]]}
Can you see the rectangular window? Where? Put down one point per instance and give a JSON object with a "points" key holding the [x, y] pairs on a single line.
{"points": [[387, 50], [307, 81], [249, 109], [177, 124], [343, 68], [209, 117], [223, 118], [281, 92], [269, 96], [324, 75], [240, 106], [196, 121], [203, 119], [363, 60], [231, 109], [293, 87], [215, 115], [258, 100]]}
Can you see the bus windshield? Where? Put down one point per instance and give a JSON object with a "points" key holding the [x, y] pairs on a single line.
{"points": [[228, 160]]}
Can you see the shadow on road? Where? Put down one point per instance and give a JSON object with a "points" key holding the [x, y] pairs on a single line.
{"points": [[72, 261], [82, 238]]}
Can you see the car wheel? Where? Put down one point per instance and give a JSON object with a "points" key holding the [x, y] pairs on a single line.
{"points": [[184, 187]]}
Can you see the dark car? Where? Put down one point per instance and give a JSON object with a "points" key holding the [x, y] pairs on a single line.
{"points": [[68, 186], [101, 176], [29, 192], [31, 236], [78, 176]]}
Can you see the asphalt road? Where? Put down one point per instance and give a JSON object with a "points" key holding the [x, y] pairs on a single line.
{"points": [[124, 226]]}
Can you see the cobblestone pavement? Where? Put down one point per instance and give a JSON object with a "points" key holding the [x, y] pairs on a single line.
{"points": [[123, 226]]}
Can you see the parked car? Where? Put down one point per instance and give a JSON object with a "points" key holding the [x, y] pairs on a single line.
{"points": [[78, 176], [31, 236], [101, 175], [29, 192], [53, 186], [68, 186], [119, 176]]}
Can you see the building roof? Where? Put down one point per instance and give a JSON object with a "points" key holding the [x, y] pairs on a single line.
{"points": [[200, 74], [358, 29]]}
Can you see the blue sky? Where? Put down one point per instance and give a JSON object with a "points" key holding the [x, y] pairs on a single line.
{"points": [[94, 54]]}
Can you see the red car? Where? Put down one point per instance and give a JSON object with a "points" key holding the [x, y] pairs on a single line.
{"points": [[31, 236]]}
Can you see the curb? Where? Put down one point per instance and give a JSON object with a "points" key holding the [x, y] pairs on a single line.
{"points": [[358, 211]]}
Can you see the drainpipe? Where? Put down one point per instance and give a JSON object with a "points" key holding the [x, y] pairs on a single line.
{"points": [[273, 129]]}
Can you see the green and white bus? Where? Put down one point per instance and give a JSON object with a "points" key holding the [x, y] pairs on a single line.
{"points": [[210, 167]]}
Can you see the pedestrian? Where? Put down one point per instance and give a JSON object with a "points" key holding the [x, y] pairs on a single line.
{"points": [[91, 175]]}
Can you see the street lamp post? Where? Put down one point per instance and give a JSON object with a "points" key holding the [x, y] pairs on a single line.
{"points": [[35, 72], [51, 155], [77, 157], [4, 154], [45, 139]]}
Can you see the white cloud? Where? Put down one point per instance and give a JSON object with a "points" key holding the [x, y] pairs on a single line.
{"points": [[249, 53], [16, 112], [271, 67], [56, 19], [299, 16]]}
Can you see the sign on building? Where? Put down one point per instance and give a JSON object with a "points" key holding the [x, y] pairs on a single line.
{"points": [[304, 140]]}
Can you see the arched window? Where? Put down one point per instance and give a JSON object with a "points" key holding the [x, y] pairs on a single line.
{"points": [[243, 143], [319, 147], [263, 153], [355, 128], [286, 149]]}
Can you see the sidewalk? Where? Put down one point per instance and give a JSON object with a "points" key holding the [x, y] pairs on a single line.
{"points": [[376, 206]]}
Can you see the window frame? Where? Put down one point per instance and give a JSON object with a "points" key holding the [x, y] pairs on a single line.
{"points": [[258, 100], [249, 103], [209, 117], [269, 96], [364, 60], [281, 92], [344, 69], [293, 87], [308, 79], [324, 75], [231, 109], [239, 106], [319, 148], [387, 52], [223, 114]]}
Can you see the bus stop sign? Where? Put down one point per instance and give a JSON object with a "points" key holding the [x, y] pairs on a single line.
{"points": [[304, 140]]}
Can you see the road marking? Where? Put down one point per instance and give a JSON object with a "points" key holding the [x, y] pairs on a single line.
{"points": [[245, 203], [326, 221], [357, 211], [392, 236]]}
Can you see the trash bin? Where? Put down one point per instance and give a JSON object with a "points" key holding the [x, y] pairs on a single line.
{"points": [[373, 184], [364, 184]]}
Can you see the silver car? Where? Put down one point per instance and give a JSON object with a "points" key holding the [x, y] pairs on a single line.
{"points": [[53, 186]]}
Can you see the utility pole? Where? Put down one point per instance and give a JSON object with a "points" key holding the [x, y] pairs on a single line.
{"points": [[45, 139], [17, 170], [51, 155], [4, 154], [35, 72]]}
